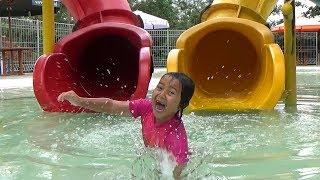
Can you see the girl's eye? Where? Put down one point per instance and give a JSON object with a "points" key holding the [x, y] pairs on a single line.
{"points": [[159, 88], [171, 93]]}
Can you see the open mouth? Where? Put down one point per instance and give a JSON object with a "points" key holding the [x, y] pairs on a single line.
{"points": [[160, 106]]}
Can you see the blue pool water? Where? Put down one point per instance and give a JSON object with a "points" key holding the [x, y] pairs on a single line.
{"points": [[275, 144]]}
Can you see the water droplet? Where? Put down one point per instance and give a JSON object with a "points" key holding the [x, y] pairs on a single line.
{"points": [[54, 146]]}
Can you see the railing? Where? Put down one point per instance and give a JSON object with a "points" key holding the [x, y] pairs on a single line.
{"points": [[307, 47], [28, 33]]}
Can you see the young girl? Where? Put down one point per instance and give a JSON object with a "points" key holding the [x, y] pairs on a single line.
{"points": [[160, 117]]}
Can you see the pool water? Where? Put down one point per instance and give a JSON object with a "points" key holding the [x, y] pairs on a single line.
{"points": [[275, 144]]}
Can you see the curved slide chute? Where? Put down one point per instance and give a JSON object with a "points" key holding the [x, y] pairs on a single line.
{"points": [[232, 57], [107, 55]]}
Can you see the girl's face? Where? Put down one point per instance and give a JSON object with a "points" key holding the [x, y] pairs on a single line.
{"points": [[166, 98]]}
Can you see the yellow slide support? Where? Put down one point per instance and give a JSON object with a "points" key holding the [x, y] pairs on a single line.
{"points": [[48, 26], [232, 57]]}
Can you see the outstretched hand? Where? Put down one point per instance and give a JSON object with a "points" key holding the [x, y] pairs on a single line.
{"points": [[70, 96]]}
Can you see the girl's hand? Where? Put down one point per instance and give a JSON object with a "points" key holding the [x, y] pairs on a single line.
{"points": [[70, 96]]}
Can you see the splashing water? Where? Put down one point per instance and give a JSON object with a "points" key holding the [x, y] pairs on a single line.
{"points": [[275, 144], [154, 162]]}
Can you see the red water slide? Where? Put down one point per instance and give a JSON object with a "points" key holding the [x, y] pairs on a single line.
{"points": [[107, 55]]}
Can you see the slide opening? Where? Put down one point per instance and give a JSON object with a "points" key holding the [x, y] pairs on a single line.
{"points": [[225, 64], [105, 65]]}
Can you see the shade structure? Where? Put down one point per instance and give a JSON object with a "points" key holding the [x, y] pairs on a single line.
{"points": [[151, 21], [23, 7], [302, 25]]}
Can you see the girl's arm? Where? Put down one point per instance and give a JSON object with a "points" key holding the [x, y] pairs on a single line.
{"points": [[97, 104]]}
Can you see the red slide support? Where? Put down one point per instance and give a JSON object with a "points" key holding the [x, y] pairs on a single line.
{"points": [[107, 55]]}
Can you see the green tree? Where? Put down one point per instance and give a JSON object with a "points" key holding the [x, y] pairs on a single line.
{"points": [[63, 15], [160, 8], [277, 11], [181, 14], [312, 12], [189, 12]]}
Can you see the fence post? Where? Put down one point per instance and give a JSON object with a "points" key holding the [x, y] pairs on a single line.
{"points": [[168, 47], [168, 41], [1, 60], [38, 38], [317, 58], [0, 32]]}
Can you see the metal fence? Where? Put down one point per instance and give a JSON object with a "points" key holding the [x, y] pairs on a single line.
{"points": [[307, 47], [28, 33], [163, 42]]}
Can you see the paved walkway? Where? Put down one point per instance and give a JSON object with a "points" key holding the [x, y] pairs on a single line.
{"points": [[11, 82], [25, 81]]}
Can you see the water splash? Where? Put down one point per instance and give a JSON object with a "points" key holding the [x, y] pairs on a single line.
{"points": [[153, 164]]}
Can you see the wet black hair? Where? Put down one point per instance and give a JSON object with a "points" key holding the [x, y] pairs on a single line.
{"points": [[187, 88]]}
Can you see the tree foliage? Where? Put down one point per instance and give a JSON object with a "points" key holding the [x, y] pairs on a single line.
{"points": [[312, 12], [160, 8], [189, 12], [181, 14], [277, 11]]}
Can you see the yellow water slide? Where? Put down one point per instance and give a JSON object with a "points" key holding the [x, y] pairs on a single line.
{"points": [[232, 57]]}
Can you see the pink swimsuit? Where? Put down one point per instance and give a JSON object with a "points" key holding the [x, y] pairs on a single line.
{"points": [[170, 135]]}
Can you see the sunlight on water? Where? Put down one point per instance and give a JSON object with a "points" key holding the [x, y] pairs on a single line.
{"points": [[275, 144]]}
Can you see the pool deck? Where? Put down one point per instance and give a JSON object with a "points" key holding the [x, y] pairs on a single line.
{"points": [[15, 81], [25, 81]]}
